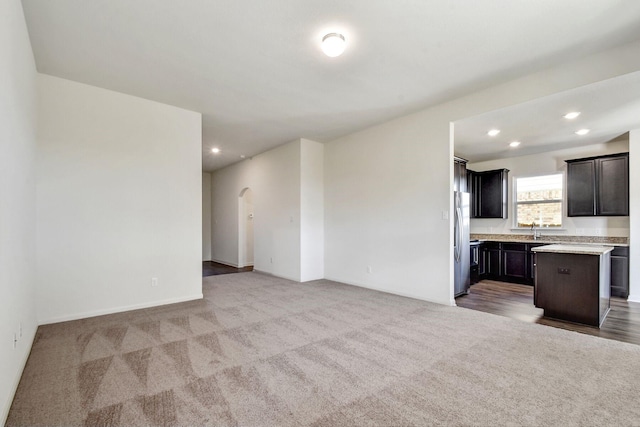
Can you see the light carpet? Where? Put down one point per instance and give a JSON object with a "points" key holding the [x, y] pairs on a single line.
{"points": [[264, 351]]}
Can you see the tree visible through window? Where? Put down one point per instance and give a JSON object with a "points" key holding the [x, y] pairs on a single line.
{"points": [[539, 201]]}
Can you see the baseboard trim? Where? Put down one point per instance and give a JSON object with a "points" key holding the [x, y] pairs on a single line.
{"points": [[277, 275], [633, 298], [230, 264], [121, 309], [6, 407], [387, 291]]}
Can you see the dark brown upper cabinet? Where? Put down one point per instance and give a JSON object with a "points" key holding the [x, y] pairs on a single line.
{"points": [[598, 186], [489, 191]]}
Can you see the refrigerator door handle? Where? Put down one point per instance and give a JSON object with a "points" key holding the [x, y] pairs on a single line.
{"points": [[458, 235], [462, 255], [455, 227]]}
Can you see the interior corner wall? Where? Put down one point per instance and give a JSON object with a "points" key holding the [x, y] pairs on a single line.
{"points": [[311, 210], [634, 215], [388, 187], [18, 123], [206, 216], [119, 202], [274, 179]]}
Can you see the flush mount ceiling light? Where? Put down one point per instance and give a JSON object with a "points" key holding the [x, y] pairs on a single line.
{"points": [[493, 132], [572, 115], [215, 150], [514, 144], [582, 132], [333, 44]]}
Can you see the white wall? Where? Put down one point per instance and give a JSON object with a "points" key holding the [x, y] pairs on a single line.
{"points": [[385, 190], [311, 210], [274, 179], [549, 163], [206, 217], [224, 215], [119, 201], [634, 215], [387, 187], [18, 121]]}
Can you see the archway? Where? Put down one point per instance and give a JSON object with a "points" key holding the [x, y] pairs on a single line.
{"points": [[245, 228]]}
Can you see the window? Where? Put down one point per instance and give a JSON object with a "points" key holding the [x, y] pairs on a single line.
{"points": [[539, 201]]}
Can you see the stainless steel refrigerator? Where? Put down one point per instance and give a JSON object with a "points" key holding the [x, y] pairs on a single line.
{"points": [[461, 251]]}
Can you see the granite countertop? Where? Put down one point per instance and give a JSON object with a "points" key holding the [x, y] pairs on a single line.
{"points": [[548, 240], [574, 249]]}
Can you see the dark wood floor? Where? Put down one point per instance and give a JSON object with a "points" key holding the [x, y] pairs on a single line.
{"points": [[210, 268], [516, 301]]}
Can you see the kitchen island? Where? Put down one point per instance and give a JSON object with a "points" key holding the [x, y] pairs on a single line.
{"points": [[572, 282]]}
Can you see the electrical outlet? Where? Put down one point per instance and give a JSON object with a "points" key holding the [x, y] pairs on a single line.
{"points": [[154, 281], [445, 214], [369, 269], [271, 260]]}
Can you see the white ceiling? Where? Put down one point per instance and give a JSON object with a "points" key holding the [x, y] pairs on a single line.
{"points": [[608, 108], [255, 70]]}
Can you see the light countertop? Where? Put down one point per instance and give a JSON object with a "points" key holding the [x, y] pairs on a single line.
{"points": [[574, 249]]}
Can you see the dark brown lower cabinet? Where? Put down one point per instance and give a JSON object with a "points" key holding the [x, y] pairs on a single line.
{"points": [[620, 272], [531, 266], [475, 262], [515, 263], [504, 261], [493, 260], [482, 262]]}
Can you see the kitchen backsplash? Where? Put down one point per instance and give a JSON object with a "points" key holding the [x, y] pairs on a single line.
{"points": [[551, 238]]}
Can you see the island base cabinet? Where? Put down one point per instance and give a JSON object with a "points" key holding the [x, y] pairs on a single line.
{"points": [[573, 287]]}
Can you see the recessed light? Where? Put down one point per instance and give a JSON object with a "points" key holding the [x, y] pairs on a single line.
{"points": [[333, 44], [215, 150], [493, 132], [572, 115], [514, 144], [583, 131], [242, 156]]}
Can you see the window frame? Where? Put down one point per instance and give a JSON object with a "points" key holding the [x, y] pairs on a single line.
{"points": [[515, 202]]}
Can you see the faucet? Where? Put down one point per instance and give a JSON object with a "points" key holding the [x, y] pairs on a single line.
{"points": [[536, 232]]}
